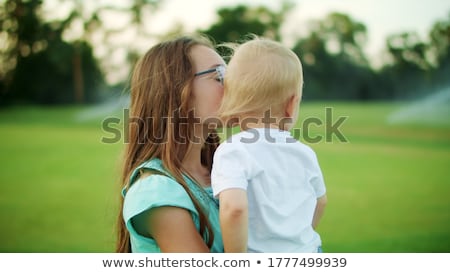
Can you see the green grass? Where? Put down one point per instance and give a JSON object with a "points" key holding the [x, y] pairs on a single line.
{"points": [[58, 182], [388, 186]]}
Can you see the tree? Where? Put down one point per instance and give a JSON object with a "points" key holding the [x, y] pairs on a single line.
{"points": [[344, 36], [95, 22], [440, 51], [409, 68], [236, 23], [21, 28], [334, 63], [40, 67]]}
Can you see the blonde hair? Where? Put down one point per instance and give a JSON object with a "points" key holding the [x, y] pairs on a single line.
{"points": [[261, 75]]}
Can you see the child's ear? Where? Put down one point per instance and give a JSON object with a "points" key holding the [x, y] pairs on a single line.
{"points": [[291, 106]]}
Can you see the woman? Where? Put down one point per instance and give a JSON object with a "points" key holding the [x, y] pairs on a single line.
{"points": [[176, 89]]}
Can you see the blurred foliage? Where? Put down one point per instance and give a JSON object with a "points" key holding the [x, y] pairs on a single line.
{"points": [[335, 66], [40, 65], [236, 23], [417, 67], [440, 47]]}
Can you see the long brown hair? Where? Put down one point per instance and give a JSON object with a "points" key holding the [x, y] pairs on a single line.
{"points": [[161, 85]]}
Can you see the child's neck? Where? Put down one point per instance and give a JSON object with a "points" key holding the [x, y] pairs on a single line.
{"points": [[264, 120], [260, 125]]}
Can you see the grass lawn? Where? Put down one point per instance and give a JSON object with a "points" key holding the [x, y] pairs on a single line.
{"points": [[388, 186]]}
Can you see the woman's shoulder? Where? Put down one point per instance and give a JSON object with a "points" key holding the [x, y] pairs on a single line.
{"points": [[153, 165], [151, 176], [155, 190]]}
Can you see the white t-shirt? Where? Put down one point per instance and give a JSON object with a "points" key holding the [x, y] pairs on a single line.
{"points": [[283, 180]]}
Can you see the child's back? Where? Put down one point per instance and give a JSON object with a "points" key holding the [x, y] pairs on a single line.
{"points": [[283, 181]]}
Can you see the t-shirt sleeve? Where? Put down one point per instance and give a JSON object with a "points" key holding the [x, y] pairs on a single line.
{"points": [[231, 169], [155, 191], [316, 180]]}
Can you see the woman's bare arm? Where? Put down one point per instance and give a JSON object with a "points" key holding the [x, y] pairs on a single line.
{"points": [[174, 230]]}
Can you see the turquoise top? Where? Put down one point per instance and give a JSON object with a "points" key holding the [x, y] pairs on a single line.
{"points": [[162, 190]]}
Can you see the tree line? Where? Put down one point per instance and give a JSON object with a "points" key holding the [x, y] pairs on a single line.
{"points": [[39, 66]]}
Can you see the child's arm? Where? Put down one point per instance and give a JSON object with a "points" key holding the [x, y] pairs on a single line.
{"points": [[321, 203], [234, 219]]}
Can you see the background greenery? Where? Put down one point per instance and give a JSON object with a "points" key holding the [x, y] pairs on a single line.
{"points": [[41, 65], [387, 186]]}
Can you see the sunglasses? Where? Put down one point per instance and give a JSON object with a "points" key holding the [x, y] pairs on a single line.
{"points": [[219, 70]]}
